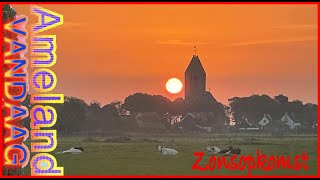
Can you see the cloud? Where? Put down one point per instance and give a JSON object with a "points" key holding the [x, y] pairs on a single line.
{"points": [[245, 43], [178, 42], [275, 41], [299, 26]]}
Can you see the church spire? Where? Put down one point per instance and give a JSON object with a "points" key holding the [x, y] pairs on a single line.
{"points": [[195, 78]]}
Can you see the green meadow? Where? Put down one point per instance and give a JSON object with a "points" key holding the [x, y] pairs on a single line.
{"points": [[137, 154]]}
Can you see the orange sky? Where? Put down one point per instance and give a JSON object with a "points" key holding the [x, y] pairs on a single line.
{"points": [[106, 52]]}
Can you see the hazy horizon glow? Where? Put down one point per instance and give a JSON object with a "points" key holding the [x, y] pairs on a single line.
{"points": [[107, 52]]}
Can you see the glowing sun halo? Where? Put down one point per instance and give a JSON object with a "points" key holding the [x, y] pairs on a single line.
{"points": [[174, 85]]}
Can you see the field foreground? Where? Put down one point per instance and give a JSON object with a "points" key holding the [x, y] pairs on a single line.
{"points": [[137, 155]]}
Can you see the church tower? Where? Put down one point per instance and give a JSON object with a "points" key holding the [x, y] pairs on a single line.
{"points": [[195, 80]]}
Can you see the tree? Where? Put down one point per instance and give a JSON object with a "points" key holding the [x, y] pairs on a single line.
{"points": [[139, 102], [282, 99], [110, 116], [71, 115], [178, 106], [8, 13], [166, 109], [254, 107]]}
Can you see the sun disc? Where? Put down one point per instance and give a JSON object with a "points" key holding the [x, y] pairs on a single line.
{"points": [[174, 85]]}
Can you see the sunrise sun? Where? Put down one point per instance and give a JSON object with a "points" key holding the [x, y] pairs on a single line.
{"points": [[174, 85]]}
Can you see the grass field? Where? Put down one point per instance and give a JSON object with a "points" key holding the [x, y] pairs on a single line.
{"points": [[138, 155]]}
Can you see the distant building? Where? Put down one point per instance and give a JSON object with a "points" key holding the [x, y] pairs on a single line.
{"points": [[276, 126], [266, 119], [315, 128], [203, 117], [289, 120], [285, 123], [196, 122], [247, 126], [149, 120], [205, 128], [188, 123], [195, 82], [201, 103]]}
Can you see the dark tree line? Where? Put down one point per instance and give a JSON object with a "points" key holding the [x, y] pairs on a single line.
{"points": [[254, 107], [76, 115], [168, 109]]}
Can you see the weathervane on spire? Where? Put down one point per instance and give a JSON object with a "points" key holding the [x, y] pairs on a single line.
{"points": [[195, 50]]}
